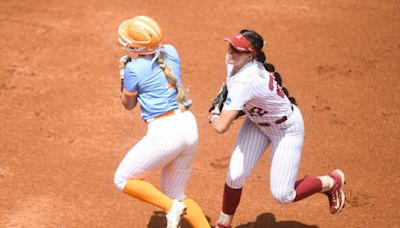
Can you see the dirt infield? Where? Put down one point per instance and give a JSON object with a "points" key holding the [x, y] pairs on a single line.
{"points": [[63, 130]]}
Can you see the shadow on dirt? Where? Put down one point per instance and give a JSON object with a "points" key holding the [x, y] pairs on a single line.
{"points": [[268, 220], [158, 220]]}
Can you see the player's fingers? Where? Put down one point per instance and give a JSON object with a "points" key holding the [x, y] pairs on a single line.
{"points": [[208, 116]]}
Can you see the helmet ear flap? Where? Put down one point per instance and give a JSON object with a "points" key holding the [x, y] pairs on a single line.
{"points": [[140, 34]]}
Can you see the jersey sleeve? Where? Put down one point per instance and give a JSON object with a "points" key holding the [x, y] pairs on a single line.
{"points": [[238, 95], [130, 81], [174, 61]]}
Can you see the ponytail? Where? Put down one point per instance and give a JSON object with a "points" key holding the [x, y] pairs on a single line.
{"points": [[258, 43], [181, 97], [271, 68], [261, 56]]}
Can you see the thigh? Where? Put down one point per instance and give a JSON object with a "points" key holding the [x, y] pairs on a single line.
{"points": [[160, 146], [175, 175], [188, 123], [249, 147], [287, 146]]}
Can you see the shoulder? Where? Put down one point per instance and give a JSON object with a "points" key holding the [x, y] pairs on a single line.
{"points": [[139, 66], [248, 73], [170, 48], [171, 51], [251, 77], [256, 73]]}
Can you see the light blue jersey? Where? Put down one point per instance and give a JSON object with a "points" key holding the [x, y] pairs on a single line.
{"points": [[144, 76]]}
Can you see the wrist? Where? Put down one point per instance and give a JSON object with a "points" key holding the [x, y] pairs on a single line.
{"points": [[121, 73], [214, 115], [122, 85], [216, 110]]}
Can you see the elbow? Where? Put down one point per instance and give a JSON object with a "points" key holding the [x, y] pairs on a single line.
{"points": [[128, 107], [221, 129], [221, 125], [128, 103]]}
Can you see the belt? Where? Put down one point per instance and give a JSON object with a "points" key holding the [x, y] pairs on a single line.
{"points": [[171, 112], [279, 121]]}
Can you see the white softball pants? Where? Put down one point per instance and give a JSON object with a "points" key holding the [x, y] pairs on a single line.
{"points": [[169, 145], [287, 141]]}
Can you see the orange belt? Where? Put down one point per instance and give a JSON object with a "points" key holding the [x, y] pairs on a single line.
{"points": [[165, 114]]}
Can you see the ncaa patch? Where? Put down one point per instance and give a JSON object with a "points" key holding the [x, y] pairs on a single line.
{"points": [[228, 101]]}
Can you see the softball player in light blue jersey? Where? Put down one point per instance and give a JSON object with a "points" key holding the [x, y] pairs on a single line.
{"points": [[153, 79], [156, 97]]}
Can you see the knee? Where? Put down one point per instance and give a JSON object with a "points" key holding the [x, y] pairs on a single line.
{"points": [[283, 195], [235, 181]]}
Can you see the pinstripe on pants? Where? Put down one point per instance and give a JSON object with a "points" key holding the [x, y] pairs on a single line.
{"points": [[169, 145], [287, 141]]}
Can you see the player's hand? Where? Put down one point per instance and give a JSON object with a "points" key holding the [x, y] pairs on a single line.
{"points": [[219, 100], [124, 60], [213, 114], [122, 64]]}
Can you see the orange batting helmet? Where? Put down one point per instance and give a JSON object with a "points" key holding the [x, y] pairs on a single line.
{"points": [[140, 34]]}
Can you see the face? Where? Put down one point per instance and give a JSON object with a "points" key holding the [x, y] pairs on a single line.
{"points": [[237, 58]]}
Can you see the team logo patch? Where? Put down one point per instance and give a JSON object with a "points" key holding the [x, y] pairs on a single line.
{"points": [[228, 101]]}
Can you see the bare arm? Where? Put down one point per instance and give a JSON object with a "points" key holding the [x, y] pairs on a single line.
{"points": [[222, 121], [129, 100]]}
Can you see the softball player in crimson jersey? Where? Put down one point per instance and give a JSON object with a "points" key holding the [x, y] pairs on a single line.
{"points": [[272, 118], [153, 79]]}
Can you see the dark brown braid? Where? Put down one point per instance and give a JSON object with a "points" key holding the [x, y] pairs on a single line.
{"points": [[258, 43]]}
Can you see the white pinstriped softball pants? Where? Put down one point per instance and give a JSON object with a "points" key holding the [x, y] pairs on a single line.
{"points": [[287, 141], [169, 145]]}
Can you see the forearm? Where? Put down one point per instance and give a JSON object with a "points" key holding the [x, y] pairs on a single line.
{"points": [[128, 99], [129, 102], [221, 121], [219, 125]]}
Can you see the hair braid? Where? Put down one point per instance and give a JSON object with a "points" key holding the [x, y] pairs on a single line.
{"points": [[258, 43], [181, 97]]}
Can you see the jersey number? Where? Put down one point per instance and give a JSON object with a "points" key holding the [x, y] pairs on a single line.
{"points": [[256, 111], [271, 86]]}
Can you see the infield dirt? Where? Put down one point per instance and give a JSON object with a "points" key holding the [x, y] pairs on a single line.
{"points": [[63, 130]]}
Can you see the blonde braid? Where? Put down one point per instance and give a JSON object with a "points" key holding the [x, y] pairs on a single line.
{"points": [[181, 97]]}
